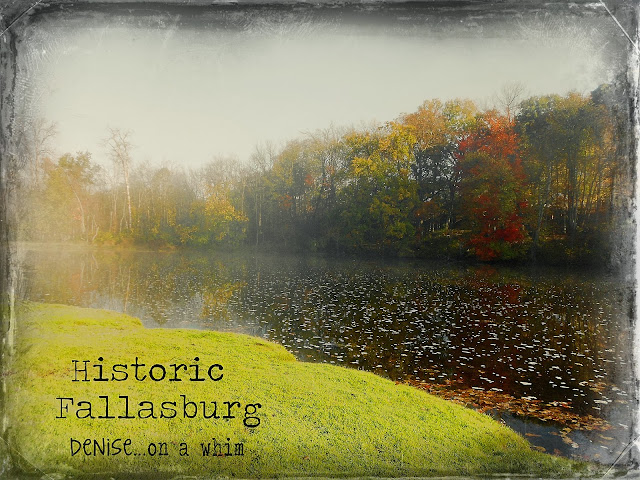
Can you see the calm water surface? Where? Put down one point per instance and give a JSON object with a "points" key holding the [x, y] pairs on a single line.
{"points": [[544, 334]]}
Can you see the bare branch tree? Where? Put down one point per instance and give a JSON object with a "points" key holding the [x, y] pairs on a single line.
{"points": [[508, 98], [262, 160], [33, 143], [119, 146]]}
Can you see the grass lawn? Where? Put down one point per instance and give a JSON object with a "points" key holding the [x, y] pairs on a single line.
{"points": [[314, 419]]}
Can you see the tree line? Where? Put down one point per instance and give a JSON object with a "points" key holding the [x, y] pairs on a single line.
{"points": [[544, 178]]}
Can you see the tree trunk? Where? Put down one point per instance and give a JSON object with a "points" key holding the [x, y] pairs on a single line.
{"points": [[572, 207], [126, 182], [542, 202]]}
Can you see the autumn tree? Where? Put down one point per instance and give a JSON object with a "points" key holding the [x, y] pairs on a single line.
{"points": [[294, 186], [439, 128], [381, 200], [579, 129], [566, 142], [492, 189], [62, 209], [217, 216], [223, 222]]}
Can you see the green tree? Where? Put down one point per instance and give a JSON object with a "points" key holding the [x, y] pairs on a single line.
{"points": [[380, 202]]}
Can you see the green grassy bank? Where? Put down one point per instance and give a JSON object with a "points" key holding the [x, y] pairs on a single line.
{"points": [[314, 419]]}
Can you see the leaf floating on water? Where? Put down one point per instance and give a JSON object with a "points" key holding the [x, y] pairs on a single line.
{"points": [[566, 440], [490, 400]]}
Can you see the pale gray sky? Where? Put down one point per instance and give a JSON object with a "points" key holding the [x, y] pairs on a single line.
{"points": [[188, 94]]}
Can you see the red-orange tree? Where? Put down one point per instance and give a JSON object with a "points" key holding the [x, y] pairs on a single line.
{"points": [[492, 193]]}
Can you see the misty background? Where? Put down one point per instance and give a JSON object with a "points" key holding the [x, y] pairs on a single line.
{"points": [[189, 90]]}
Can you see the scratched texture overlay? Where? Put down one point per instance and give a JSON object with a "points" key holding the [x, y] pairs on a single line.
{"points": [[149, 62]]}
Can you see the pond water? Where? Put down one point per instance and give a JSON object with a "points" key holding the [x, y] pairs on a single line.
{"points": [[555, 337]]}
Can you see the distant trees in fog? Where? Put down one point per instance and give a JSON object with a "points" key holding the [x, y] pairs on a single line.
{"points": [[544, 177]]}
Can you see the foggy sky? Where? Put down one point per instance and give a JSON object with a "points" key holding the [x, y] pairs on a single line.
{"points": [[189, 94]]}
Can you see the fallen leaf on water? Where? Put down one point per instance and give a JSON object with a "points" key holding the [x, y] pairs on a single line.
{"points": [[485, 401]]}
